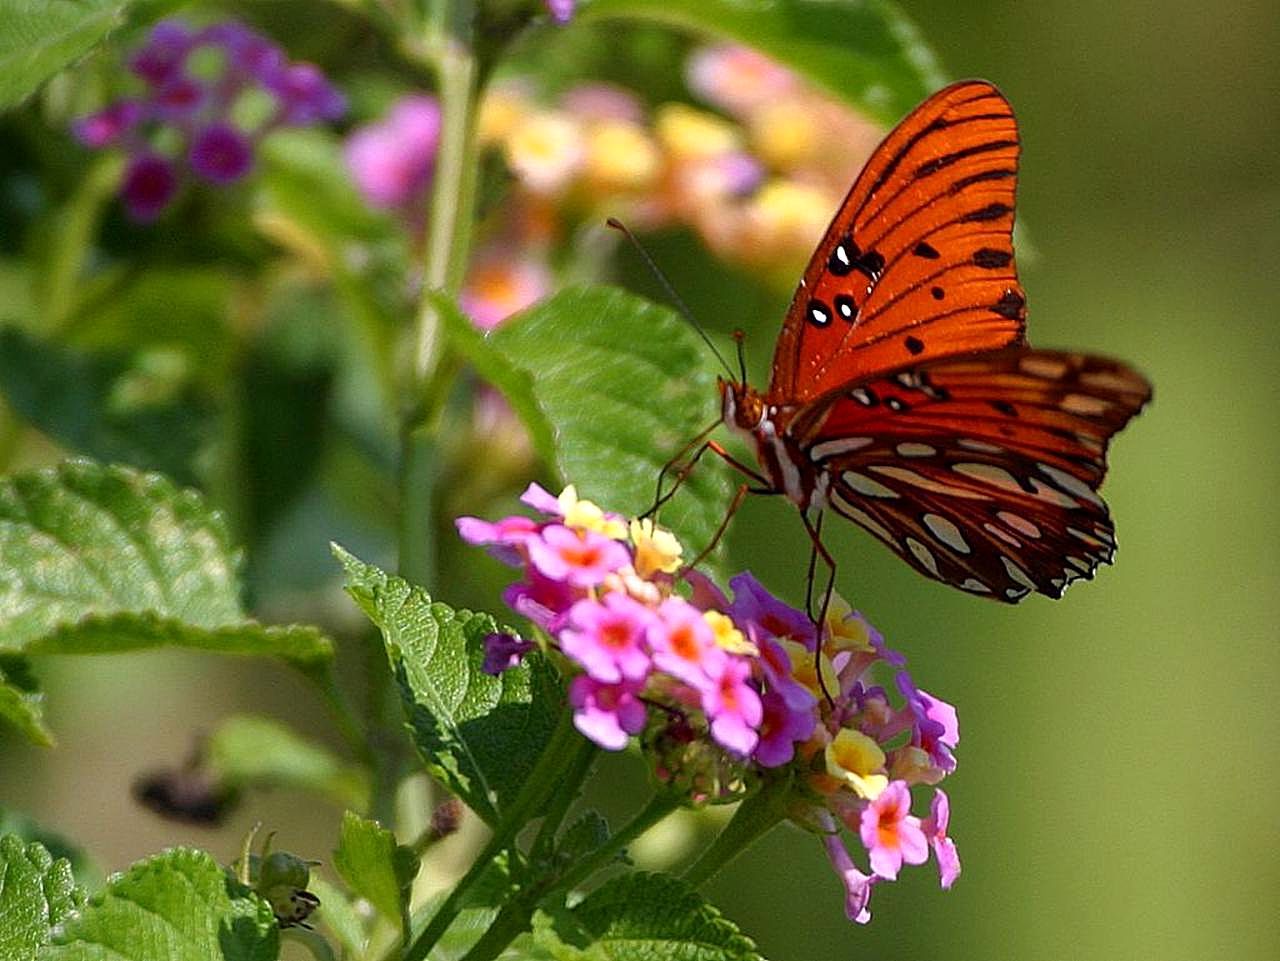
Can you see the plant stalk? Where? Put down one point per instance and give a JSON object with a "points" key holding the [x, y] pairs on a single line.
{"points": [[755, 817]]}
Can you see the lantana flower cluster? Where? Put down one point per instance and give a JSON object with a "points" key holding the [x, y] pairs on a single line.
{"points": [[209, 96], [725, 691]]}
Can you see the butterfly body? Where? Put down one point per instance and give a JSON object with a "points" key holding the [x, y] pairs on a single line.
{"points": [[904, 396]]}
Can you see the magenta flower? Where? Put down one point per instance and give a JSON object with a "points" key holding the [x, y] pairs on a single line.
{"points": [[606, 713], [857, 886], [109, 126], [581, 558], [781, 728], [541, 500], [937, 725], [221, 154], [935, 829], [607, 638], [733, 707], [753, 605], [391, 161], [891, 834], [150, 183], [504, 651], [684, 645], [188, 117], [561, 10], [506, 538], [543, 601], [778, 670]]}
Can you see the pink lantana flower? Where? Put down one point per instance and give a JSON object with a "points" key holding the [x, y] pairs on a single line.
{"points": [[580, 558], [752, 604], [607, 638], [606, 713], [891, 833], [944, 849], [781, 728], [733, 707], [857, 886], [504, 538], [684, 645]]}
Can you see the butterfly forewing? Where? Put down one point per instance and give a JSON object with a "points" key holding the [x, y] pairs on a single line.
{"points": [[918, 263], [980, 472]]}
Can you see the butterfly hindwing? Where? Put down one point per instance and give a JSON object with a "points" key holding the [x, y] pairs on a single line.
{"points": [[980, 472], [918, 263]]}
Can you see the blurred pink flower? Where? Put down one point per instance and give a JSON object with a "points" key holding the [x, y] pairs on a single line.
{"points": [[737, 78], [391, 161], [502, 282]]}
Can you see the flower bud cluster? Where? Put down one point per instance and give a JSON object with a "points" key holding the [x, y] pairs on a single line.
{"points": [[209, 97], [722, 691]]}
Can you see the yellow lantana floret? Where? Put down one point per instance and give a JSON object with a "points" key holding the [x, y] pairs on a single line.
{"points": [[656, 549], [802, 668], [727, 635], [587, 516], [546, 150], [691, 134], [846, 631], [621, 157], [856, 760]]}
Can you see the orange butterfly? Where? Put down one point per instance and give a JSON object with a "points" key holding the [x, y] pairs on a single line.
{"points": [[904, 396]]}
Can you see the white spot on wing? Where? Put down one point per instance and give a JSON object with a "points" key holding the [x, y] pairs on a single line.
{"points": [[1003, 535], [1070, 483], [980, 446], [1082, 536], [861, 396], [908, 449], [1053, 496], [989, 474], [925, 483], [1084, 405], [1080, 564], [1019, 523], [923, 555], [1017, 574], [972, 584], [865, 485], [947, 532], [1050, 368], [845, 445]]}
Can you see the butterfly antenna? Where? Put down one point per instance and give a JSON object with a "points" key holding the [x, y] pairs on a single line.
{"points": [[740, 339], [622, 228]]}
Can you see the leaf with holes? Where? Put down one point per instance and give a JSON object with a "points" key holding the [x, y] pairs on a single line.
{"points": [[375, 866], [643, 917], [177, 906], [865, 51], [480, 735], [100, 559], [36, 893], [625, 384]]}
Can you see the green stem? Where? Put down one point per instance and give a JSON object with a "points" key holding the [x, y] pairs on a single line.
{"points": [[754, 818], [563, 799], [546, 777], [344, 717], [515, 917]]}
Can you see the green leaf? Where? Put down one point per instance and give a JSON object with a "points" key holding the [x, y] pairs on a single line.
{"points": [[339, 915], [626, 384], [584, 836], [375, 866], [21, 702], [644, 917], [100, 559], [177, 906], [104, 405], [491, 364], [479, 735], [248, 751], [36, 892], [866, 52], [15, 822], [40, 37]]}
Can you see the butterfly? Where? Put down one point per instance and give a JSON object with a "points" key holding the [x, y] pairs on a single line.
{"points": [[904, 396]]}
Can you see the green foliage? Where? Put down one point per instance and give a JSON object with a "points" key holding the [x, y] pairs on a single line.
{"points": [[250, 751], [480, 735], [103, 559], [40, 37], [16, 823], [375, 866], [864, 51], [21, 702], [643, 917], [36, 892], [626, 384], [98, 405], [177, 906], [584, 836], [337, 913]]}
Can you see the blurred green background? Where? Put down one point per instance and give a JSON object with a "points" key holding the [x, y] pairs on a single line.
{"points": [[1116, 796]]}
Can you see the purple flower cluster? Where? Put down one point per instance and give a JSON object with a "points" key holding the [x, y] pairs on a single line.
{"points": [[195, 83], [749, 682]]}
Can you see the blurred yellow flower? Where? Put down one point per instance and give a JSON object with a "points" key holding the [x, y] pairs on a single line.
{"points": [[504, 106], [728, 637], [546, 150], [786, 134], [621, 158], [586, 515], [691, 134]]}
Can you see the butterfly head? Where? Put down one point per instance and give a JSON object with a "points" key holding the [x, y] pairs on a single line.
{"points": [[740, 405]]}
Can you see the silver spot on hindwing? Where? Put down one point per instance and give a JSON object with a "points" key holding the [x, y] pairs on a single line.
{"points": [[989, 474], [923, 555], [1017, 574], [981, 446], [1003, 535], [908, 449], [842, 445], [1019, 523], [866, 486], [947, 532], [861, 395], [1070, 483], [924, 483], [972, 584]]}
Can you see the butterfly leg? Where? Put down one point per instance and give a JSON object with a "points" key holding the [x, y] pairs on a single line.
{"points": [[813, 564], [739, 496], [685, 462], [814, 530]]}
